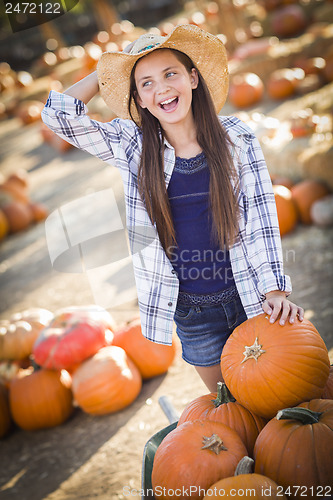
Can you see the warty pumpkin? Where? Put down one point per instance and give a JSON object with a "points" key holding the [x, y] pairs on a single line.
{"points": [[152, 359], [194, 456], [295, 449], [245, 484], [222, 407], [107, 382], [74, 334], [268, 367], [41, 399]]}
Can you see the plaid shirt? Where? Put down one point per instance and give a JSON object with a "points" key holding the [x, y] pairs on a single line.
{"points": [[256, 257]]}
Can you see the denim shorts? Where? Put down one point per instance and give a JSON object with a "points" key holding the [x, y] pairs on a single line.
{"points": [[203, 330]]}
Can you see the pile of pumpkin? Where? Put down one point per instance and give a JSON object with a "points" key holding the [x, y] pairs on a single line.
{"points": [[279, 376], [50, 363], [17, 210], [308, 202]]}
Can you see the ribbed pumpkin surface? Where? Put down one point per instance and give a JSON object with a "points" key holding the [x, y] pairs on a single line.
{"points": [[292, 368], [107, 382]]}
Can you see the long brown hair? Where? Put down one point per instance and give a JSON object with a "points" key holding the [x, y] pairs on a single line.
{"points": [[213, 140]]}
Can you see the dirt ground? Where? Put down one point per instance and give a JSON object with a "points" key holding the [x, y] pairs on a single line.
{"points": [[100, 457]]}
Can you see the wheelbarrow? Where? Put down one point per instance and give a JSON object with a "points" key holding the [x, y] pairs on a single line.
{"points": [[152, 445]]}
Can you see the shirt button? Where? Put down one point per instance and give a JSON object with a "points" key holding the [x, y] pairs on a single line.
{"points": [[173, 271], [169, 304]]}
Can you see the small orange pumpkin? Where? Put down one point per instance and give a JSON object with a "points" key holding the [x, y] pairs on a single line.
{"points": [[151, 359], [286, 209], [243, 481], [41, 399], [16, 339], [195, 455], [4, 225], [269, 367], [246, 89], [280, 84], [107, 382], [304, 194], [295, 448], [222, 407]]}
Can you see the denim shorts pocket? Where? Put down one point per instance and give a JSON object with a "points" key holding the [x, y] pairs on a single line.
{"points": [[183, 312], [234, 312]]}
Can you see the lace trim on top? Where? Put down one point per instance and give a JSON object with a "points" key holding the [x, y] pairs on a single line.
{"points": [[191, 165]]}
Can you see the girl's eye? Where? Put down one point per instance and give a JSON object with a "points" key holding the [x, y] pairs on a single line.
{"points": [[170, 73], [145, 84]]}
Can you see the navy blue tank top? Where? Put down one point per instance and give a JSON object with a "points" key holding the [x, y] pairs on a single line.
{"points": [[201, 265]]}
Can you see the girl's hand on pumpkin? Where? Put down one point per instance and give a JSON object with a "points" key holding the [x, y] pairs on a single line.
{"points": [[277, 302]]}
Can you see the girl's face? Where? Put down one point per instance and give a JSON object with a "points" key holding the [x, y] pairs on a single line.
{"points": [[165, 87]]}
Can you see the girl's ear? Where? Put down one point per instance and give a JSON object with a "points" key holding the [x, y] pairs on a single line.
{"points": [[194, 78], [139, 100]]}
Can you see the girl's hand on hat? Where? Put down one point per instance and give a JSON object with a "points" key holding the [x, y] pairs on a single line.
{"points": [[276, 302]]}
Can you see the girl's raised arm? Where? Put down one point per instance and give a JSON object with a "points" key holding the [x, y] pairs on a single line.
{"points": [[85, 89]]}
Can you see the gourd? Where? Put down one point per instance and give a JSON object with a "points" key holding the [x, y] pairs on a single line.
{"points": [[280, 84], [107, 382], [286, 209], [152, 359], [268, 367], [75, 334], [40, 399], [195, 455], [222, 407], [243, 481], [295, 448]]}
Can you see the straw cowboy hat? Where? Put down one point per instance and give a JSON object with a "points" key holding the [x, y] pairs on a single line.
{"points": [[205, 50]]}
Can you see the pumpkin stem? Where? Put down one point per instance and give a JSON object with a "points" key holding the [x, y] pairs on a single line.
{"points": [[213, 443], [303, 415], [223, 395], [253, 351], [245, 466]]}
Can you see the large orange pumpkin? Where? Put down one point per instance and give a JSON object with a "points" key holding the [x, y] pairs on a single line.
{"points": [[268, 367], [194, 456], [107, 382], [152, 359], [295, 449], [222, 407], [41, 399], [286, 209], [305, 193], [245, 484]]}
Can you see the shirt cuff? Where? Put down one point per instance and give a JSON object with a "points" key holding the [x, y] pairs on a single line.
{"points": [[66, 103], [272, 282]]}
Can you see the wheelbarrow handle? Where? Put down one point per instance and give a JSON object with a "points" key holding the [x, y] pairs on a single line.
{"points": [[168, 409]]}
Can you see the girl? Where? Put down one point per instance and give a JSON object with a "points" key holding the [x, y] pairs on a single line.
{"points": [[199, 200]]}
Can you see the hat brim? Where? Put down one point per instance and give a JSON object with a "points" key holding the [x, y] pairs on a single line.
{"points": [[205, 50]]}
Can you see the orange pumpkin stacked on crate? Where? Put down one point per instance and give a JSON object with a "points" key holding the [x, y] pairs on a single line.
{"points": [[276, 373]]}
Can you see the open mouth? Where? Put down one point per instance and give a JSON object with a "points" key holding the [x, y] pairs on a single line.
{"points": [[169, 104]]}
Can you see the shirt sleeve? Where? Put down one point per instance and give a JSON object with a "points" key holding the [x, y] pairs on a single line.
{"points": [[67, 117], [262, 232]]}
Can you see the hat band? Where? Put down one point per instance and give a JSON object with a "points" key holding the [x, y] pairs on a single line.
{"points": [[149, 47]]}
